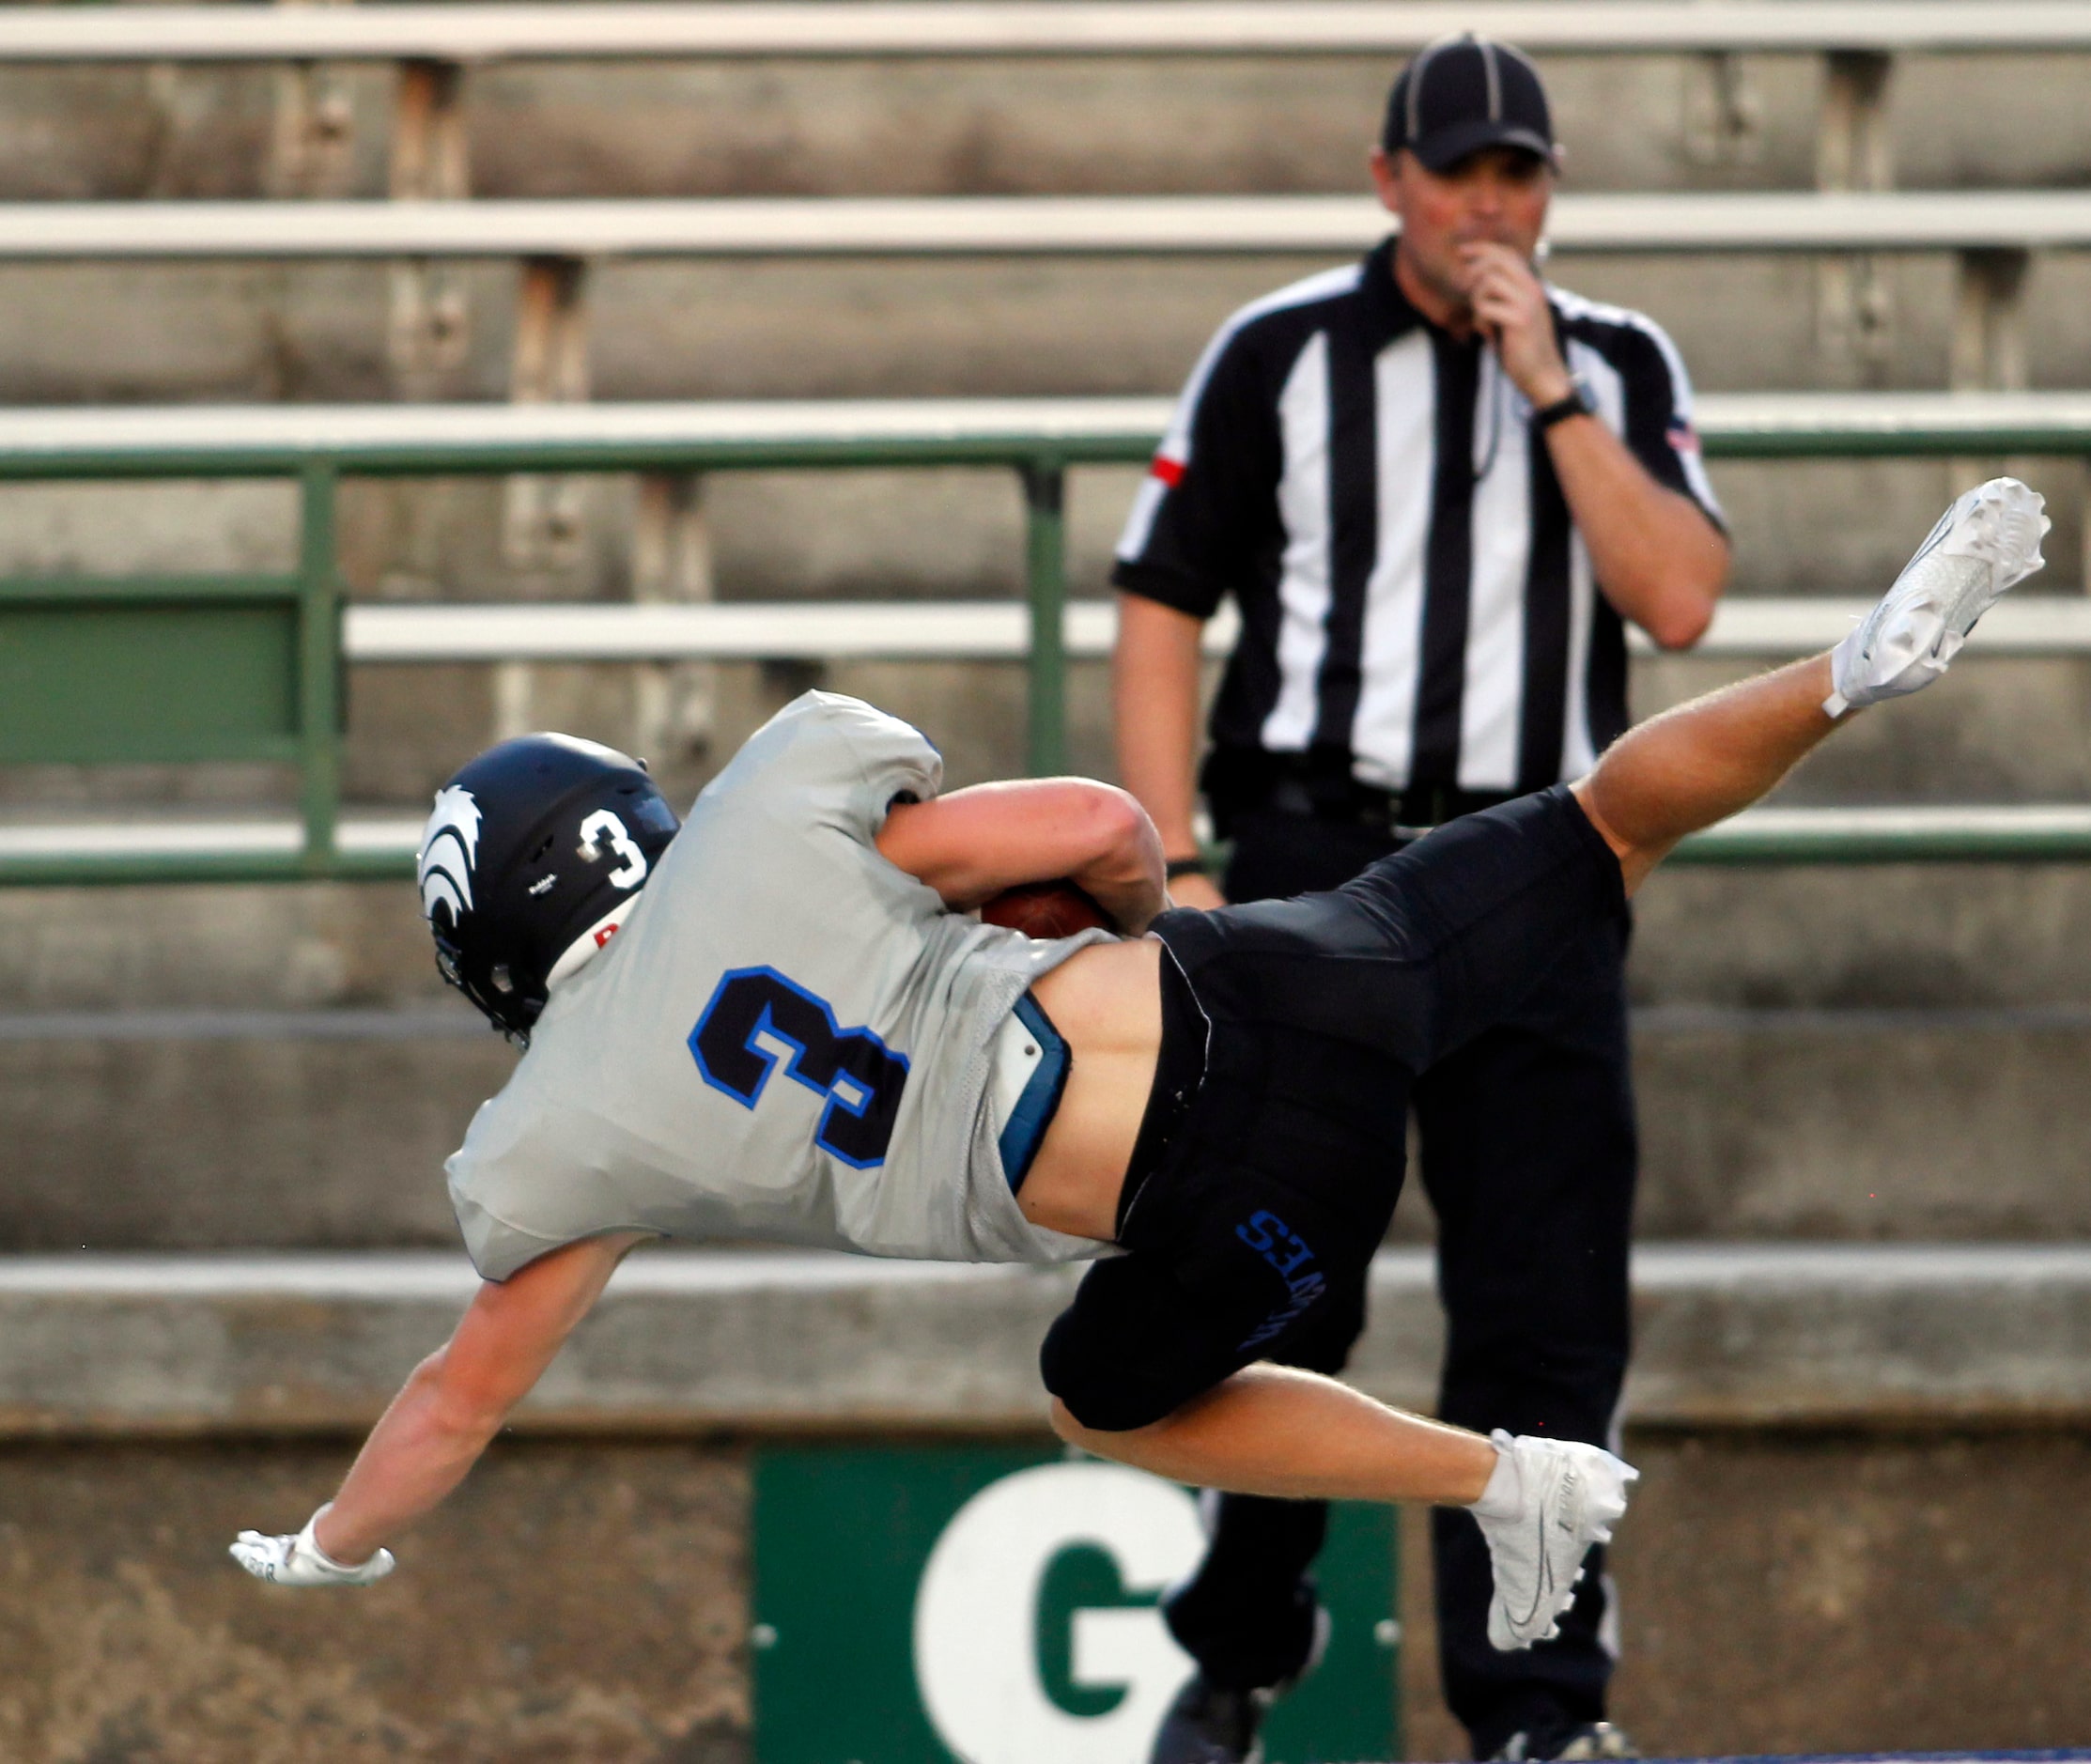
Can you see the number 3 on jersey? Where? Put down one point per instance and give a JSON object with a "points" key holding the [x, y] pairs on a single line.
{"points": [[757, 1017]]}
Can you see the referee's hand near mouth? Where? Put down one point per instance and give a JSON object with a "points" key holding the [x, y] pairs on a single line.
{"points": [[1437, 486], [1466, 257]]}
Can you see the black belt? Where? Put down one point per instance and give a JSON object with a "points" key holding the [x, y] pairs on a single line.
{"points": [[1395, 812]]}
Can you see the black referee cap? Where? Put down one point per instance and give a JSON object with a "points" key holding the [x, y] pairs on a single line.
{"points": [[1465, 93]]}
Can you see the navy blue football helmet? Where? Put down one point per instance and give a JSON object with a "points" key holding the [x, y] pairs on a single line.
{"points": [[529, 848]]}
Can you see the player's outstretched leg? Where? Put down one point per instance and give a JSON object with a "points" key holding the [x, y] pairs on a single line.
{"points": [[1291, 1434], [1549, 1501], [1708, 759]]}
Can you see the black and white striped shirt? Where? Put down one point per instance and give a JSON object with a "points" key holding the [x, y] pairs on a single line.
{"points": [[1416, 606]]}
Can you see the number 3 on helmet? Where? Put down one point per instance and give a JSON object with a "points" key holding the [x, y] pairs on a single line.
{"points": [[533, 852]]}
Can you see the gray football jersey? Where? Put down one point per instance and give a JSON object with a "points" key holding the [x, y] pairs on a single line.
{"points": [[789, 1039]]}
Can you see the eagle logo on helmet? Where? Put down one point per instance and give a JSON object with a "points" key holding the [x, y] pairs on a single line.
{"points": [[449, 848]]}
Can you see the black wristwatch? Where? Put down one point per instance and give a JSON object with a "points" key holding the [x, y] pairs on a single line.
{"points": [[1578, 403]]}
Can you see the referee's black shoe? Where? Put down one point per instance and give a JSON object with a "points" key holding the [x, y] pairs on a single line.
{"points": [[1206, 1725]]}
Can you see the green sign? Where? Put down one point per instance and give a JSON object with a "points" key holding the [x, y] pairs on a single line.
{"points": [[996, 1605]]}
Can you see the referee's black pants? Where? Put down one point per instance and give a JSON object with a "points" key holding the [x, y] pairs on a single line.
{"points": [[1528, 1156]]}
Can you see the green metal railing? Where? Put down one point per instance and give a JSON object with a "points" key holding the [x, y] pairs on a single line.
{"points": [[212, 695], [223, 667], [188, 668]]}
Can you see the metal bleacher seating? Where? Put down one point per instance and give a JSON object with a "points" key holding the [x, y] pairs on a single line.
{"points": [[430, 217], [1993, 234], [1854, 211], [292, 627]]}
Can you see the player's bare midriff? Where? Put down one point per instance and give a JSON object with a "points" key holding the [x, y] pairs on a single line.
{"points": [[1107, 1001]]}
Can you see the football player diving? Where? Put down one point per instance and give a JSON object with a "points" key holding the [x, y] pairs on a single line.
{"points": [[785, 1021]]}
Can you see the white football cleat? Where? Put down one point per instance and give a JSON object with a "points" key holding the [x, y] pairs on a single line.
{"points": [[1987, 541], [296, 1559], [1549, 1501]]}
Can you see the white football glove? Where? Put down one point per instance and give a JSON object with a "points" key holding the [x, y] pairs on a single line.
{"points": [[1987, 541], [297, 1560]]}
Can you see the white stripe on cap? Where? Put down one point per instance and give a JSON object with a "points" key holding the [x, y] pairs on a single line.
{"points": [[1494, 81], [1416, 70], [1303, 588]]}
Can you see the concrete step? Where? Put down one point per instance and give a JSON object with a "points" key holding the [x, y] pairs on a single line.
{"points": [[1826, 937], [196, 1130], [231, 332], [968, 125], [327, 1129], [1839, 939], [262, 948], [696, 1341], [1872, 1125]]}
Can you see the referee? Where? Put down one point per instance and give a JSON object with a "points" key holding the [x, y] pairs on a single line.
{"points": [[1436, 488]]}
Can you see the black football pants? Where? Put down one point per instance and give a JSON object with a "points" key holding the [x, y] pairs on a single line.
{"points": [[1528, 1157]]}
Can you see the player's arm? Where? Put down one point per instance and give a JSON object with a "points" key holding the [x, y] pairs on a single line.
{"points": [[974, 844], [451, 1406], [1155, 681], [1660, 557]]}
